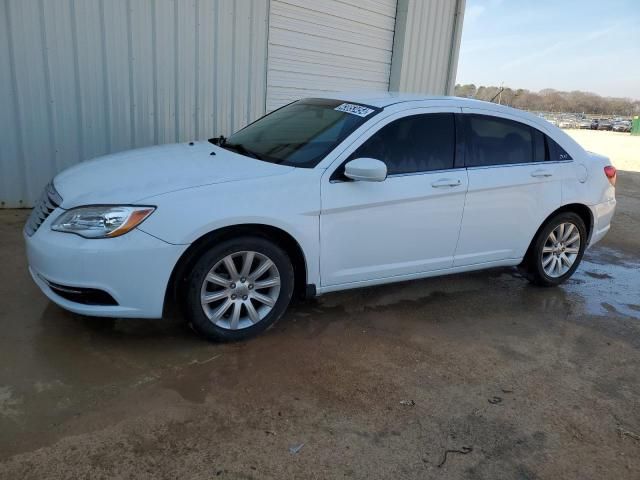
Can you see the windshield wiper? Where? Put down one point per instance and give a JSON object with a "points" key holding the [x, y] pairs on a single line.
{"points": [[219, 141], [241, 149]]}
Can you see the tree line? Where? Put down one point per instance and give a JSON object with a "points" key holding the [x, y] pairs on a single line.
{"points": [[549, 100]]}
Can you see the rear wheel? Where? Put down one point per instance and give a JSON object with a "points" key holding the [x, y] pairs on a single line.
{"points": [[557, 250], [238, 289]]}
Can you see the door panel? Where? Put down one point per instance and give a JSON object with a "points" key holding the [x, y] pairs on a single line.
{"points": [[406, 224], [403, 225], [506, 200], [504, 207]]}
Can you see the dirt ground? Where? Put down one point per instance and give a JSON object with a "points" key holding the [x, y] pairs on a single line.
{"points": [[622, 148], [477, 376]]}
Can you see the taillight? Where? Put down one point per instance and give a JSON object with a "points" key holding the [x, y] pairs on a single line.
{"points": [[611, 174]]}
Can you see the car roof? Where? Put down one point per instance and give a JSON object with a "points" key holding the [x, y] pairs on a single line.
{"points": [[378, 99], [384, 99]]}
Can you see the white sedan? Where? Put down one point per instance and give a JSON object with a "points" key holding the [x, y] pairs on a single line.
{"points": [[318, 196]]}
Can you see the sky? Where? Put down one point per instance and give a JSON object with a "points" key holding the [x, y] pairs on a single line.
{"points": [[589, 45]]}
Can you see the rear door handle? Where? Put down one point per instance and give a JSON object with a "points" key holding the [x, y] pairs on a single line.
{"points": [[541, 173], [446, 182]]}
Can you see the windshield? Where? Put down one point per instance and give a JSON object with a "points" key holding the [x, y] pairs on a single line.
{"points": [[300, 134]]}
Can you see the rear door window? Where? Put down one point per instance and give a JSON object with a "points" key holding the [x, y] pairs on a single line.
{"points": [[539, 146], [498, 141]]}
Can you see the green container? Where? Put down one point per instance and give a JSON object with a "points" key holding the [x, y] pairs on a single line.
{"points": [[635, 126]]}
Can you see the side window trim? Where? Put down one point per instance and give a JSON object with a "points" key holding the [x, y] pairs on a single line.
{"points": [[460, 139], [535, 133], [507, 165], [533, 144], [547, 155], [454, 169]]}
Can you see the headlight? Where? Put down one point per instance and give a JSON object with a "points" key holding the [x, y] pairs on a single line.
{"points": [[101, 221]]}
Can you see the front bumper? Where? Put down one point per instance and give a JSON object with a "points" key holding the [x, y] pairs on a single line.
{"points": [[134, 269]]}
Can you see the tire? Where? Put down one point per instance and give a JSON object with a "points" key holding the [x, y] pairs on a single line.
{"points": [[225, 306], [546, 264]]}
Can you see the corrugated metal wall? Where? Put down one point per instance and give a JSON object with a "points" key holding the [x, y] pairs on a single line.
{"points": [[316, 47], [426, 45], [81, 78]]}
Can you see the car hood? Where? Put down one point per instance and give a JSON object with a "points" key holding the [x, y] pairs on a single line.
{"points": [[135, 175]]}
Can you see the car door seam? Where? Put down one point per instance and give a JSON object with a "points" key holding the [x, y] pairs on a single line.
{"points": [[464, 208]]}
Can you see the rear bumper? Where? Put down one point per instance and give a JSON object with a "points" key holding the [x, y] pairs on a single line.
{"points": [[602, 215], [133, 269]]}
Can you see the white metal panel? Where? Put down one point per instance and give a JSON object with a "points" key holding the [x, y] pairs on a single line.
{"points": [[82, 78], [141, 42], [12, 164], [319, 47], [30, 96], [425, 52], [90, 79]]}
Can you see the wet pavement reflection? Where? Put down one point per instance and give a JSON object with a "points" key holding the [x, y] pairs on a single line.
{"points": [[608, 282]]}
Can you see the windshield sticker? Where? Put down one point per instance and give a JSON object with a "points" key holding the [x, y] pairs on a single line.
{"points": [[358, 110]]}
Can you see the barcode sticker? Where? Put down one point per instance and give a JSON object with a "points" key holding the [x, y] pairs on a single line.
{"points": [[353, 109]]}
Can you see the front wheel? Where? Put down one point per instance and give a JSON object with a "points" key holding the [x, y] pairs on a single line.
{"points": [[557, 250], [238, 289]]}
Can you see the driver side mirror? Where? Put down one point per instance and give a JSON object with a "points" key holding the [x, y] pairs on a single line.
{"points": [[366, 170]]}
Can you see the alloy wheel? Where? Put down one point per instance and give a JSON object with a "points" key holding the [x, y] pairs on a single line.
{"points": [[561, 250], [240, 290]]}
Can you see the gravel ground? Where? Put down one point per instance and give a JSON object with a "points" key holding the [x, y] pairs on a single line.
{"points": [[467, 376]]}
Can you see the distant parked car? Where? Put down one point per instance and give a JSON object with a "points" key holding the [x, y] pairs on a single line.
{"points": [[594, 124], [584, 125], [623, 126], [605, 125], [566, 124]]}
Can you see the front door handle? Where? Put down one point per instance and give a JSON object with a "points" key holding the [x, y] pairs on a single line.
{"points": [[446, 182], [541, 173]]}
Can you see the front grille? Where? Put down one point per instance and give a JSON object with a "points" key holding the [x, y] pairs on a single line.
{"points": [[85, 296], [48, 202]]}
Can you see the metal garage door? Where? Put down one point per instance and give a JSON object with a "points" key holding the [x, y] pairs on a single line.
{"points": [[317, 47]]}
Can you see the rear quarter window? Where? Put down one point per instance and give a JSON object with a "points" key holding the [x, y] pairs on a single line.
{"points": [[556, 152]]}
